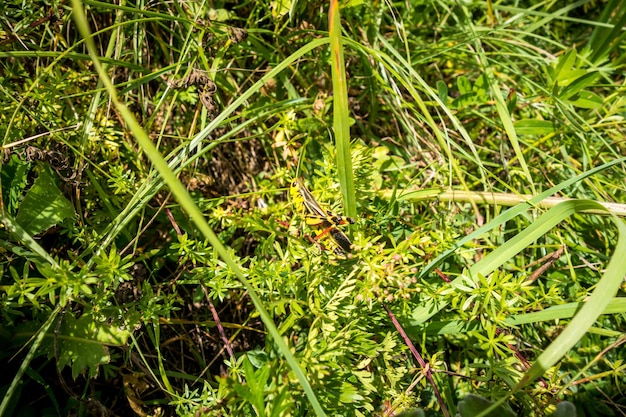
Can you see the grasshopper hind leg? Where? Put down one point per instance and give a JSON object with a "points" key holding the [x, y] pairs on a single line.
{"points": [[341, 239]]}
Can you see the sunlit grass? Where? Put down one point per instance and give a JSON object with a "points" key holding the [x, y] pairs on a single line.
{"points": [[478, 148]]}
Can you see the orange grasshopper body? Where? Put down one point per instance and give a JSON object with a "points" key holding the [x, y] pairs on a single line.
{"points": [[319, 218]]}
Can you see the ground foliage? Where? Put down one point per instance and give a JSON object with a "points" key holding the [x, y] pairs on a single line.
{"points": [[132, 306]]}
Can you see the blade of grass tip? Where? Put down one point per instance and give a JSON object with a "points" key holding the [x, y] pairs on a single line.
{"points": [[341, 113], [185, 200], [590, 311], [424, 312]]}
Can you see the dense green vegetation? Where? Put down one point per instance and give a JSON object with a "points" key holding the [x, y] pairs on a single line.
{"points": [[153, 261]]}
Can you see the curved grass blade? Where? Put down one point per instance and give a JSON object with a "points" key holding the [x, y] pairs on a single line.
{"points": [[424, 312], [591, 309], [185, 200]]}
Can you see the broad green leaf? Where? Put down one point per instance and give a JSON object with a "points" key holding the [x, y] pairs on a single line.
{"points": [[464, 85], [564, 66], [442, 91], [44, 206], [219, 15], [534, 127], [465, 100], [578, 85], [586, 100], [80, 343], [568, 77], [280, 8], [564, 311], [481, 88]]}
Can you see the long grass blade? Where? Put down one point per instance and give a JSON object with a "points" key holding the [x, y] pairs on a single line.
{"points": [[592, 308], [185, 200], [341, 111], [424, 312], [595, 305]]}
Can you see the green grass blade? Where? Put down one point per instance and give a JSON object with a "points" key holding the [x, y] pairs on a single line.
{"points": [[428, 309], [591, 309], [37, 340], [595, 305], [533, 232], [501, 108], [558, 312], [616, 305], [185, 200], [26, 239], [341, 113]]}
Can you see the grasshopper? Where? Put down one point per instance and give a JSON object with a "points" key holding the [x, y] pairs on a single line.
{"points": [[319, 218]]}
